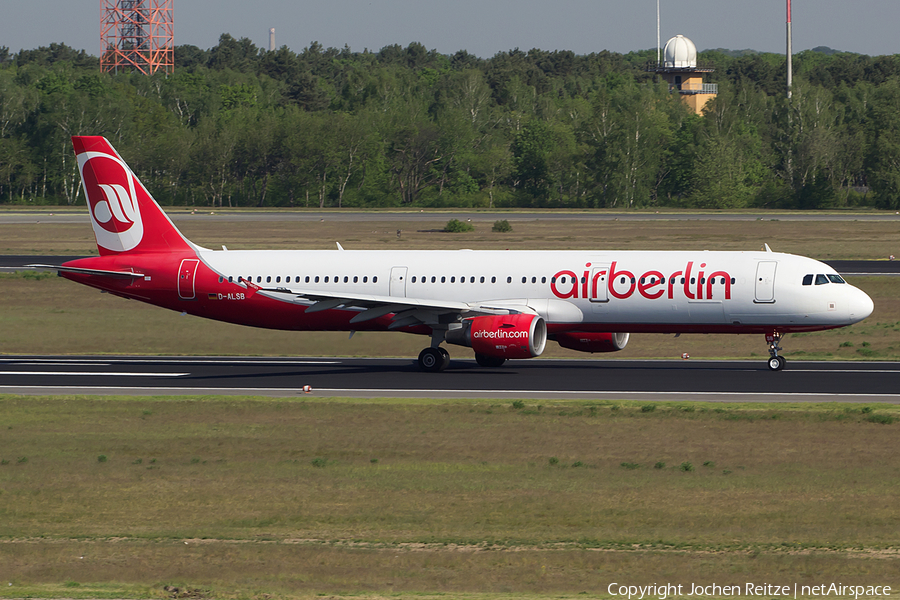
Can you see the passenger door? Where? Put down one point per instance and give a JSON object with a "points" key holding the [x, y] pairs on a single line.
{"points": [[765, 282]]}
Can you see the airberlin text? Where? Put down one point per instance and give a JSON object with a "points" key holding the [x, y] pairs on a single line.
{"points": [[502, 334], [662, 591], [600, 282]]}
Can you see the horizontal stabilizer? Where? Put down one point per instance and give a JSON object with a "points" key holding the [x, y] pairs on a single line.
{"points": [[100, 272]]}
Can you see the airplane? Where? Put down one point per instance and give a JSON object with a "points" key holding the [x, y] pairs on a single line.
{"points": [[501, 304]]}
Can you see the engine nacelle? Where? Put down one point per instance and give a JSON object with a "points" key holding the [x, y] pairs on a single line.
{"points": [[503, 336], [584, 341]]}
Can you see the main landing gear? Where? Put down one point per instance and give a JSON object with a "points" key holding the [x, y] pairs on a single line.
{"points": [[776, 362], [434, 359]]}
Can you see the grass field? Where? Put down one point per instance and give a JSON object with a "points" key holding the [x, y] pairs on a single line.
{"points": [[121, 497], [869, 240]]}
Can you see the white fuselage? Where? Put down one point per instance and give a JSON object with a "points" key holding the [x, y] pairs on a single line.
{"points": [[638, 291]]}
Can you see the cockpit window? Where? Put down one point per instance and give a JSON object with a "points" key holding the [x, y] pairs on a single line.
{"points": [[821, 279], [807, 279], [835, 278]]}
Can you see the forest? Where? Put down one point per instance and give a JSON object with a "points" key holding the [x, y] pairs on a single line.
{"points": [[239, 126]]}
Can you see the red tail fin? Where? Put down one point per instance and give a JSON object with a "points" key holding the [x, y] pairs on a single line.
{"points": [[124, 215]]}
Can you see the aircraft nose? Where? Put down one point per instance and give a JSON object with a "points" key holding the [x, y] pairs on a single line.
{"points": [[861, 306]]}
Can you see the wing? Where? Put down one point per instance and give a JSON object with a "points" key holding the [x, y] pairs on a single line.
{"points": [[407, 311]]}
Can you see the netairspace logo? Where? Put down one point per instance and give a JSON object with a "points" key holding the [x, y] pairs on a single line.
{"points": [[663, 591]]}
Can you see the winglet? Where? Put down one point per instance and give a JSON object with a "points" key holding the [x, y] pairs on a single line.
{"points": [[339, 246], [767, 248], [252, 288]]}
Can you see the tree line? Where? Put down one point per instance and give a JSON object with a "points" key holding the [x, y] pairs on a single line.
{"points": [[236, 125]]}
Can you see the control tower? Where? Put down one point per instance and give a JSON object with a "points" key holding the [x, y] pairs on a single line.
{"points": [[137, 35], [679, 68]]}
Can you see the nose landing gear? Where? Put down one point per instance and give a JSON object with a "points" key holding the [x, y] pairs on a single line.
{"points": [[776, 362]]}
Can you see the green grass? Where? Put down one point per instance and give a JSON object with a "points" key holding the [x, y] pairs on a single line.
{"points": [[241, 496]]}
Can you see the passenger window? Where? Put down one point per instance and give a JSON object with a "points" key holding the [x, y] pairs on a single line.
{"points": [[821, 279], [443, 279], [453, 280], [346, 279], [471, 280], [493, 280], [268, 279], [543, 280], [807, 279], [481, 280], [326, 279], [524, 280], [433, 279], [836, 279], [365, 279], [355, 279], [414, 279], [375, 279], [278, 279], [221, 279], [259, 279], [509, 280]]}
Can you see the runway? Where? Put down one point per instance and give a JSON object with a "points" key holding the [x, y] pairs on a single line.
{"points": [[542, 379], [181, 215]]}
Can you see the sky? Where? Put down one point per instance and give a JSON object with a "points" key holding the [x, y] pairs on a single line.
{"points": [[482, 27]]}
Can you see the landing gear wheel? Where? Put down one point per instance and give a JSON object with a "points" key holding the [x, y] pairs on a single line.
{"points": [[775, 362], [446, 356], [432, 360], [484, 360]]}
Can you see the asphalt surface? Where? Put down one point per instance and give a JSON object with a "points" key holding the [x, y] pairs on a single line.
{"points": [[213, 216], [846, 267], [725, 381]]}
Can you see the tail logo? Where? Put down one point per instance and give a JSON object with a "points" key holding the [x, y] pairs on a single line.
{"points": [[111, 192]]}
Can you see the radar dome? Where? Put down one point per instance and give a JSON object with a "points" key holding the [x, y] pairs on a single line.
{"points": [[680, 53]]}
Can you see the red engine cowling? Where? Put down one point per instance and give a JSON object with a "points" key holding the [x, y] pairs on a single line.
{"points": [[584, 341], [508, 336]]}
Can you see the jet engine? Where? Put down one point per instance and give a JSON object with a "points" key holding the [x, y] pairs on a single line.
{"points": [[584, 341], [502, 336]]}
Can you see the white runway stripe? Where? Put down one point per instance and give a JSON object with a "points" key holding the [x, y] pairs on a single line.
{"points": [[92, 373]]}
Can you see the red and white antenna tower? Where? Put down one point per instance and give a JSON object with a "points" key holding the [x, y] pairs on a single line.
{"points": [[137, 35]]}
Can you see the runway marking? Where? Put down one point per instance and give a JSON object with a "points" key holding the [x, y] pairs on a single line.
{"points": [[593, 392], [93, 373], [789, 370], [107, 361]]}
